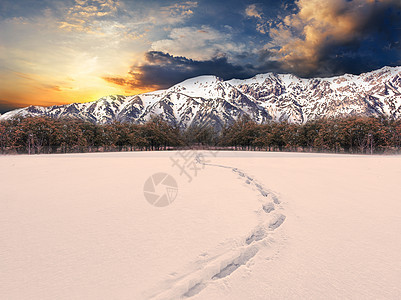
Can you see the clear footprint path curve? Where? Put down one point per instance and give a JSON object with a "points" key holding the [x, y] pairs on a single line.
{"points": [[225, 264]]}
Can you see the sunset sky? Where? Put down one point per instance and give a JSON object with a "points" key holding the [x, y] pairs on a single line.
{"points": [[63, 51]]}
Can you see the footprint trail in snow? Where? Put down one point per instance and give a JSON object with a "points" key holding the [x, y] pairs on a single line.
{"points": [[223, 265]]}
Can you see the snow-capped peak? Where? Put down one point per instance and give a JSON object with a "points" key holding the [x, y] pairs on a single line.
{"points": [[210, 100]]}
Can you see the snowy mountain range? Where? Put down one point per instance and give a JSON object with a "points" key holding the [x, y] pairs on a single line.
{"points": [[210, 100]]}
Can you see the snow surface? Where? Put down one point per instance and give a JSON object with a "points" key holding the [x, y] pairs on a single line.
{"points": [[250, 225]]}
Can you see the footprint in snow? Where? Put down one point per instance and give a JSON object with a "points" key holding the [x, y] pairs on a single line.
{"points": [[268, 207]]}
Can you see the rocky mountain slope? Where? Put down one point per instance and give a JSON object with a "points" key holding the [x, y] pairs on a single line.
{"points": [[210, 100]]}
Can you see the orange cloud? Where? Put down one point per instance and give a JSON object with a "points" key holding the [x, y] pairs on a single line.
{"points": [[131, 83], [252, 11], [83, 15], [301, 40], [22, 89]]}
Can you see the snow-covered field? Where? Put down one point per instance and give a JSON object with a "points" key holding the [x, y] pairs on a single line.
{"points": [[249, 225]]}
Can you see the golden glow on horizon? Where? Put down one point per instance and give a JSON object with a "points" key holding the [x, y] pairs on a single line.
{"points": [[44, 78], [62, 54], [45, 63], [26, 89]]}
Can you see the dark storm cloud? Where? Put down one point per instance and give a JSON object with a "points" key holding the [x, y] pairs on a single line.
{"points": [[337, 37], [376, 44], [311, 38], [161, 70]]}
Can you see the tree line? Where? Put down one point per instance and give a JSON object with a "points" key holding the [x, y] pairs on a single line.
{"points": [[339, 135], [36, 135]]}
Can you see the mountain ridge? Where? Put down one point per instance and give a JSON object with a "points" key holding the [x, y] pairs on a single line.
{"points": [[210, 100]]}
